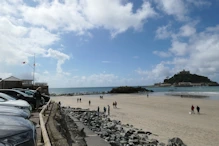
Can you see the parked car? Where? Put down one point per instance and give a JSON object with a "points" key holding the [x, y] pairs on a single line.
{"points": [[31, 92], [6, 100], [16, 131], [14, 111], [20, 95]]}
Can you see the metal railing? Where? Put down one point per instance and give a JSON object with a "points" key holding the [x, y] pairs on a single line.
{"points": [[44, 134]]}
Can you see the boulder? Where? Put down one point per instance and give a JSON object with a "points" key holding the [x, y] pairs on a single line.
{"points": [[175, 142]]}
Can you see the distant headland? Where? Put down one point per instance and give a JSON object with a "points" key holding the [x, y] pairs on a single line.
{"points": [[185, 79]]}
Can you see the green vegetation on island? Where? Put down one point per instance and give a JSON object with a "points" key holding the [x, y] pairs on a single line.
{"points": [[184, 78], [127, 89]]}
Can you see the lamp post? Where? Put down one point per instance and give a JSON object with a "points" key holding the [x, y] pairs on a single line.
{"points": [[33, 67]]}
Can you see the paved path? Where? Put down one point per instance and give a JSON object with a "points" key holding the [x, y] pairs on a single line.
{"points": [[35, 119]]}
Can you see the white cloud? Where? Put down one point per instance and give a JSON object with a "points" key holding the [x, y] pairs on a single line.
{"points": [[176, 8], [84, 15], [46, 72], [163, 32], [108, 14], [162, 53], [180, 9], [26, 30], [42, 37], [213, 29], [187, 30], [179, 48], [199, 54], [200, 3], [61, 57], [157, 74], [18, 40], [93, 80], [4, 75], [141, 72]]}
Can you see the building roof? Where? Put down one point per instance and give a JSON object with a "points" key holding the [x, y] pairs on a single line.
{"points": [[27, 79], [11, 78]]}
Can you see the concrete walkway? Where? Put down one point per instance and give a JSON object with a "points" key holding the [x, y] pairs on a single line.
{"points": [[35, 119]]}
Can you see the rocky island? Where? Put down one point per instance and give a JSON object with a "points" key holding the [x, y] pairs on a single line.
{"points": [[186, 79], [127, 89]]}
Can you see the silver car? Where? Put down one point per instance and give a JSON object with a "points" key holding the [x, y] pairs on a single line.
{"points": [[6, 100], [13, 111], [16, 131]]}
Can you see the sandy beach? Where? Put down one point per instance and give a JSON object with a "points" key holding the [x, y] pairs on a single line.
{"points": [[167, 117]]}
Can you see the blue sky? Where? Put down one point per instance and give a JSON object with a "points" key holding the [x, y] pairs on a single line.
{"points": [[96, 43]]}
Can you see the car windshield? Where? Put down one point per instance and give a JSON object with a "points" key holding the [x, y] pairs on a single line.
{"points": [[29, 92], [7, 97], [24, 94]]}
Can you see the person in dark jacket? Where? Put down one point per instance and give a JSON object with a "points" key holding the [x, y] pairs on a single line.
{"points": [[37, 95], [192, 110], [198, 109]]}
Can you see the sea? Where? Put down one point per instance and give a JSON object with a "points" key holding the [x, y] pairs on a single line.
{"points": [[211, 92]]}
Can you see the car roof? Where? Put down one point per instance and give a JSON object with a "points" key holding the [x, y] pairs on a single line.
{"points": [[10, 109], [12, 121], [14, 90], [11, 125], [6, 96]]}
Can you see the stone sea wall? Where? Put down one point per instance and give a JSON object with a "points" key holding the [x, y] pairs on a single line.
{"points": [[116, 133], [78, 94]]}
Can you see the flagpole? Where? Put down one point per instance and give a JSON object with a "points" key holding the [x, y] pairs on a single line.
{"points": [[33, 69]]}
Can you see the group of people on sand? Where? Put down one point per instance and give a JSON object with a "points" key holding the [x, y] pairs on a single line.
{"points": [[115, 104], [193, 108], [104, 110], [78, 99], [101, 97]]}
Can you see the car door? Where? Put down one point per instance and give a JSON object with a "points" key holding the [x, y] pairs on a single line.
{"points": [[2, 99], [13, 94], [10, 93]]}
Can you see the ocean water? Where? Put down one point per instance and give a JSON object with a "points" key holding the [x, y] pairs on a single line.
{"points": [[211, 91]]}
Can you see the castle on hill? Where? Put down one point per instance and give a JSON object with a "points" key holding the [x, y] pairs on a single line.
{"points": [[186, 79]]}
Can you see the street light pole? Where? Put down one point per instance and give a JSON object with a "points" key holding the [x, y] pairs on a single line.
{"points": [[33, 67]]}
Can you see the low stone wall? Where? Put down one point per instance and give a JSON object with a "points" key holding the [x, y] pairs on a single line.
{"points": [[78, 94], [65, 130], [114, 132]]}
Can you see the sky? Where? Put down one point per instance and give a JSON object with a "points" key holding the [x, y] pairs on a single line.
{"points": [[101, 43]]}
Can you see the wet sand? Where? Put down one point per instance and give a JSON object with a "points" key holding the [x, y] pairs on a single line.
{"points": [[167, 117]]}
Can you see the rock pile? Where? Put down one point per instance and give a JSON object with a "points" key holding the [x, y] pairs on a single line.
{"points": [[79, 93], [116, 133]]}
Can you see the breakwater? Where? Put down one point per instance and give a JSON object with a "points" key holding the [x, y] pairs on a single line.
{"points": [[78, 94]]}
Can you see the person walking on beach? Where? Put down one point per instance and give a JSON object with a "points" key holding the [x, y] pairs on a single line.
{"points": [[147, 94], [192, 110], [80, 99], [37, 94], [98, 110], [198, 109], [108, 110], [104, 110], [89, 102], [115, 104]]}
